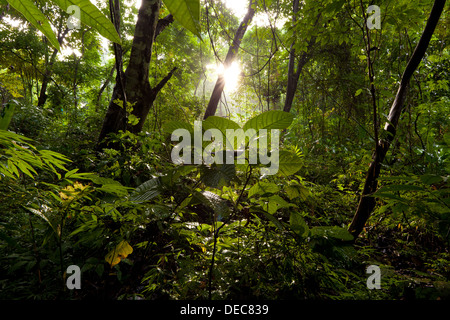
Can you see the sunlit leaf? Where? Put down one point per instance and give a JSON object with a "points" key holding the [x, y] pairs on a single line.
{"points": [[121, 251], [273, 119], [36, 18], [289, 163], [93, 17], [187, 12], [263, 188]]}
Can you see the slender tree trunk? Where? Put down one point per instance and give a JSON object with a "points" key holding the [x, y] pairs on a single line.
{"points": [[104, 86], [42, 99], [293, 72], [136, 87], [367, 202], [232, 52]]}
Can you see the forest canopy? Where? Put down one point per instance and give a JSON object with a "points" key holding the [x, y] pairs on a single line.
{"points": [[221, 149]]}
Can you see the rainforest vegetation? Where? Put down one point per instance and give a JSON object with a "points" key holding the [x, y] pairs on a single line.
{"points": [[352, 96]]}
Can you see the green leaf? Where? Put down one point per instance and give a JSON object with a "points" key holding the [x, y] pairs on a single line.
{"points": [[399, 187], [269, 217], [171, 126], [70, 173], [273, 119], [276, 202], [25, 168], [93, 17], [289, 163], [108, 185], [147, 191], [213, 201], [388, 196], [331, 232], [298, 224], [44, 217], [187, 12], [263, 188], [296, 191], [13, 169], [36, 18], [133, 120], [430, 179], [274, 220], [222, 124], [218, 175], [6, 115]]}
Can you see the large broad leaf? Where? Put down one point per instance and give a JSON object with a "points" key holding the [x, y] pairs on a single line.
{"points": [[36, 18], [220, 123], [273, 203], [289, 163], [273, 119], [296, 191], [213, 201], [263, 188], [298, 224], [93, 17], [187, 12], [218, 175], [224, 124], [147, 191], [171, 126]]}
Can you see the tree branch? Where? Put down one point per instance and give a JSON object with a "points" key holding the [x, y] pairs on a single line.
{"points": [[163, 82], [163, 23]]}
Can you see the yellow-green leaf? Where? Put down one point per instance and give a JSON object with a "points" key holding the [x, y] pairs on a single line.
{"points": [[36, 18], [187, 12], [93, 17], [121, 251]]}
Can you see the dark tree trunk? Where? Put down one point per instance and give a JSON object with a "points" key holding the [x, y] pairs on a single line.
{"points": [[42, 99], [293, 76], [367, 202], [232, 52], [293, 72], [136, 87]]}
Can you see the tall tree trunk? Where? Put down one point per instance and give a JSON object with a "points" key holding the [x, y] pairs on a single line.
{"points": [[42, 99], [232, 52], [136, 87], [293, 76], [367, 202], [294, 73]]}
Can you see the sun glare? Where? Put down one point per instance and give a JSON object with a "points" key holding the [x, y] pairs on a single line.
{"points": [[238, 7], [231, 76]]}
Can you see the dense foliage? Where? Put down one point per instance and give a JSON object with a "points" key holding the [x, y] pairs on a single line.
{"points": [[142, 227]]}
